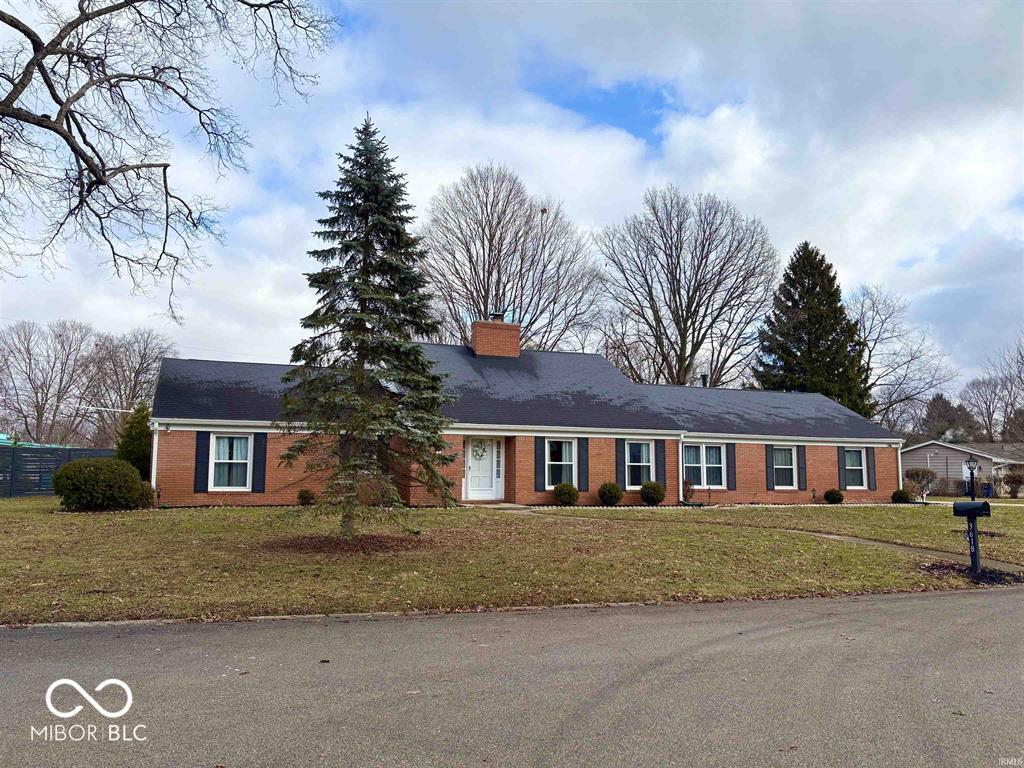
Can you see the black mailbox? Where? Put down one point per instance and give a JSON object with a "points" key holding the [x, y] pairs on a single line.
{"points": [[971, 509]]}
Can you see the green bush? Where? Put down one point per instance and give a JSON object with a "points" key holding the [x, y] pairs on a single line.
{"points": [[901, 496], [609, 494], [135, 441], [565, 494], [100, 484], [306, 497], [652, 493], [834, 496]]}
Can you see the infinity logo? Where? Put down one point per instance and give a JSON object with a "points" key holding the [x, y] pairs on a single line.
{"points": [[85, 695]]}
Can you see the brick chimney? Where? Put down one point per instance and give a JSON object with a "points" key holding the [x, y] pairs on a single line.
{"points": [[495, 337]]}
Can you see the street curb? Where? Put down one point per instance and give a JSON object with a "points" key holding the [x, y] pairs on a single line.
{"points": [[517, 609]]}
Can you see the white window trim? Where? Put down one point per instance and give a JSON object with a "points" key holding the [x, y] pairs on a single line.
{"points": [[796, 469], [548, 462], [703, 466], [863, 469], [629, 463], [213, 462]]}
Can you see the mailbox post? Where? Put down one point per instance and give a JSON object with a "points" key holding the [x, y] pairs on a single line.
{"points": [[972, 510]]}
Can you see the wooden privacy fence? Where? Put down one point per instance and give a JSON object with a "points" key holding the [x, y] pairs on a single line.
{"points": [[28, 471]]}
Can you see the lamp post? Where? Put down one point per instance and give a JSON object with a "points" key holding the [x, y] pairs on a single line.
{"points": [[972, 522], [972, 466]]}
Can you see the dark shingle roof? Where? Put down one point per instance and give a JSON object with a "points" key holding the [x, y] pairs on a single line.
{"points": [[544, 389], [552, 389], [215, 389], [755, 412]]}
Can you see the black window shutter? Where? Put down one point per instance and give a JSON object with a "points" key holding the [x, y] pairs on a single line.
{"points": [[620, 461], [583, 465], [769, 467], [730, 466], [202, 462], [870, 452], [842, 467], [259, 462], [801, 465], [659, 461], [539, 481]]}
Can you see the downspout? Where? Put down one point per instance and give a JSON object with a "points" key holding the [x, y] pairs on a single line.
{"points": [[155, 426]]}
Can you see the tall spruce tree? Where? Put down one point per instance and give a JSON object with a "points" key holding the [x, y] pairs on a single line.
{"points": [[364, 401], [808, 343]]}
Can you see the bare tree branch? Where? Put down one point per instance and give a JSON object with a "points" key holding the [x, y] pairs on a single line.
{"points": [[64, 383], [85, 92], [690, 280], [906, 366], [493, 246]]}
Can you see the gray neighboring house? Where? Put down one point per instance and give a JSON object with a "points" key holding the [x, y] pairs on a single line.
{"points": [[949, 460]]}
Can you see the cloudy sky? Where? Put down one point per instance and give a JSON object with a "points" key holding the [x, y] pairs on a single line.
{"points": [[889, 135]]}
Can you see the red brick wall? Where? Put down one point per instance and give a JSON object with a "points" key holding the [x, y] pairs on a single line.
{"points": [[176, 462], [416, 495], [822, 474], [601, 462], [495, 339], [175, 474]]}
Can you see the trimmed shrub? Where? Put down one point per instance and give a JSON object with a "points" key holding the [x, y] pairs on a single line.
{"points": [[306, 497], [95, 485], [834, 496], [565, 494], [1013, 481], [901, 496], [610, 494], [652, 493]]}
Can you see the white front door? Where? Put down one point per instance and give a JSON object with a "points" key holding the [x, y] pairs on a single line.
{"points": [[483, 468]]}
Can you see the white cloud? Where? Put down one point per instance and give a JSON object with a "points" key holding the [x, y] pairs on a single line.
{"points": [[886, 134]]}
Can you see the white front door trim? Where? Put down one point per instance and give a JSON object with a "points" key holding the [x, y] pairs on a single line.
{"points": [[484, 475]]}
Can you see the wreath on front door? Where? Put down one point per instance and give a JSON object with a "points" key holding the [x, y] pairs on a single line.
{"points": [[479, 451]]}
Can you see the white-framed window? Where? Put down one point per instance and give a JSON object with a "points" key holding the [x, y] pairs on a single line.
{"points": [[230, 462], [856, 469], [704, 465], [559, 462], [497, 458], [639, 463], [784, 460]]}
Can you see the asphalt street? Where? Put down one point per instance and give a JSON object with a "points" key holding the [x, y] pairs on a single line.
{"points": [[909, 680]]}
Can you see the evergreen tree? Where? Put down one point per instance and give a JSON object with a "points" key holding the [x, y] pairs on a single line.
{"points": [[942, 420], [364, 400], [135, 441], [808, 343]]}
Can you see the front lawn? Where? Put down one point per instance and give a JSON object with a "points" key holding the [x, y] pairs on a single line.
{"points": [[934, 527], [229, 562]]}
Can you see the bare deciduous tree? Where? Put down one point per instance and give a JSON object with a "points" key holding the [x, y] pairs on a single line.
{"points": [[45, 373], [64, 383], [125, 370], [906, 366], [494, 247], [1007, 367], [690, 280], [984, 398], [86, 91]]}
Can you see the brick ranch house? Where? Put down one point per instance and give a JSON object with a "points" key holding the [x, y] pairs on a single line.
{"points": [[524, 421]]}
